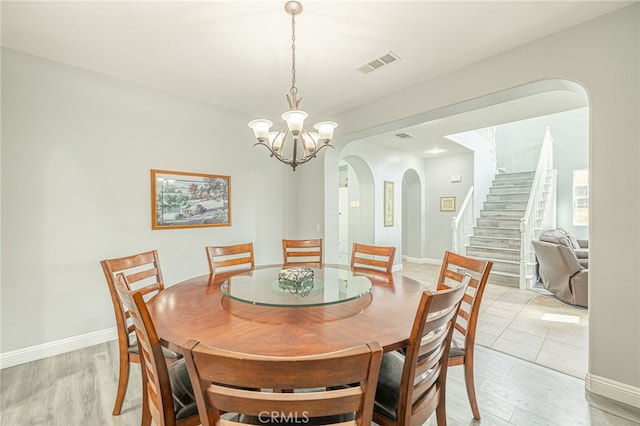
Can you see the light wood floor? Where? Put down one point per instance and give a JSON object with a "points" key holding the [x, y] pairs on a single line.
{"points": [[77, 389]]}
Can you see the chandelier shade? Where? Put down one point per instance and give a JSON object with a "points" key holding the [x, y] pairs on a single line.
{"points": [[293, 144]]}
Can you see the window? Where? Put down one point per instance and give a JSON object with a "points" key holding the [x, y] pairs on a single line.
{"points": [[581, 197]]}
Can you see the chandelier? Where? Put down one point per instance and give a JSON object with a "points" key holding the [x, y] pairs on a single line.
{"points": [[301, 145]]}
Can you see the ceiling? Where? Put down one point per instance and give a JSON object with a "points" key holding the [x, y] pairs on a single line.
{"points": [[237, 54]]}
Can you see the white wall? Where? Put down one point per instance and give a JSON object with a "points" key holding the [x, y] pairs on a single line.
{"points": [[413, 215], [77, 149], [484, 165], [603, 55], [438, 172]]}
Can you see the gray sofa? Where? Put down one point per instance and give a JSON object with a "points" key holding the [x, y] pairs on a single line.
{"points": [[563, 265]]}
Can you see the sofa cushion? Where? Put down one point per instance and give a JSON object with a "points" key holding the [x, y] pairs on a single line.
{"points": [[572, 239], [560, 236], [581, 253], [556, 236]]}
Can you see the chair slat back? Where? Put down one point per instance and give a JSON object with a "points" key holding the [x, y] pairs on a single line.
{"points": [[302, 252], [373, 258], [424, 373], [237, 257], [154, 367], [142, 272], [235, 382], [454, 268]]}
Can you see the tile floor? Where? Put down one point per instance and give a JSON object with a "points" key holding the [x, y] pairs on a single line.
{"points": [[530, 325]]}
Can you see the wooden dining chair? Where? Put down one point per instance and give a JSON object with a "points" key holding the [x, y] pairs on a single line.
{"points": [[412, 385], [452, 271], [230, 258], [329, 388], [302, 253], [373, 258], [168, 397], [143, 272]]}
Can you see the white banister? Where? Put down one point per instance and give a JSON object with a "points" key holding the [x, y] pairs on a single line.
{"points": [[462, 224], [534, 213]]}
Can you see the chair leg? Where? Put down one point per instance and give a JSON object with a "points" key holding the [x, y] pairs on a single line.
{"points": [[123, 382], [146, 413], [441, 413], [471, 389]]}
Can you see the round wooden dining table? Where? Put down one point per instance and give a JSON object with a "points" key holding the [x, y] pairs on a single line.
{"points": [[198, 308]]}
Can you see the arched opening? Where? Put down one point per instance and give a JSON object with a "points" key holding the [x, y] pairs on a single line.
{"points": [[540, 101], [356, 206]]}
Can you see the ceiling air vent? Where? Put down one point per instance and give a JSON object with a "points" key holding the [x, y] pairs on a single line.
{"points": [[404, 136], [376, 63]]}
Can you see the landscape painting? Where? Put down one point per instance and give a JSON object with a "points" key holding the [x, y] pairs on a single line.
{"points": [[189, 200]]}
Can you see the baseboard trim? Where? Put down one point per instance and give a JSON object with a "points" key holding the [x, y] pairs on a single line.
{"points": [[57, 347], [611, 389], [422, 260]]}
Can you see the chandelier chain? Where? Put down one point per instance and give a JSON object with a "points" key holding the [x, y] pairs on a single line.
{"points": [[294, 89]]}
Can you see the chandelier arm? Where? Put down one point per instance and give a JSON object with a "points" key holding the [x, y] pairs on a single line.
{"points": [[284, 131], [309, 157], [274, 154]]}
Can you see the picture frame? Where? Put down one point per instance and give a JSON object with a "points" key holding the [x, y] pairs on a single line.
{"points": [[447, 204], [388, 203], [189, 200]]}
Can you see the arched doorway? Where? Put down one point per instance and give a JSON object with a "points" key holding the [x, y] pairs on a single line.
{"points": [[355, 205]]}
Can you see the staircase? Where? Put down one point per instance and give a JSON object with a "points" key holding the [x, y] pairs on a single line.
{"points": [[497, 236]]}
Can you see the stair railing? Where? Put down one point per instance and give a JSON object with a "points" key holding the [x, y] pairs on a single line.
{"points": [[534, 213], [462, 224]]}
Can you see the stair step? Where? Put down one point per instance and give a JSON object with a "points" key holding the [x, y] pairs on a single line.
{"points": [[496, 232], [496, 198], [505, 205], [495, 242], [513, 182], [496, 222], [502, 265], [493, 253], [504, 278], [509, 190], [515, 175], [509, 214]]}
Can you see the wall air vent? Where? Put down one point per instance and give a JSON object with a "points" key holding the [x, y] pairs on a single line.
{"points": [[379, 62], [404, 136]]}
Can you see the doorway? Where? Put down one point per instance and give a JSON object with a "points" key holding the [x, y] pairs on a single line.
{"points": [[355, 206]]}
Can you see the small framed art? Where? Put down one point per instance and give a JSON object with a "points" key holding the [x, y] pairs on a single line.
{"points": [[447, 204], [388, 203]]}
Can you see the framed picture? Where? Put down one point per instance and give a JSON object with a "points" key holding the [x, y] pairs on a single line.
{"points": [[388, 203], [189, 200], [447, 204]]}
